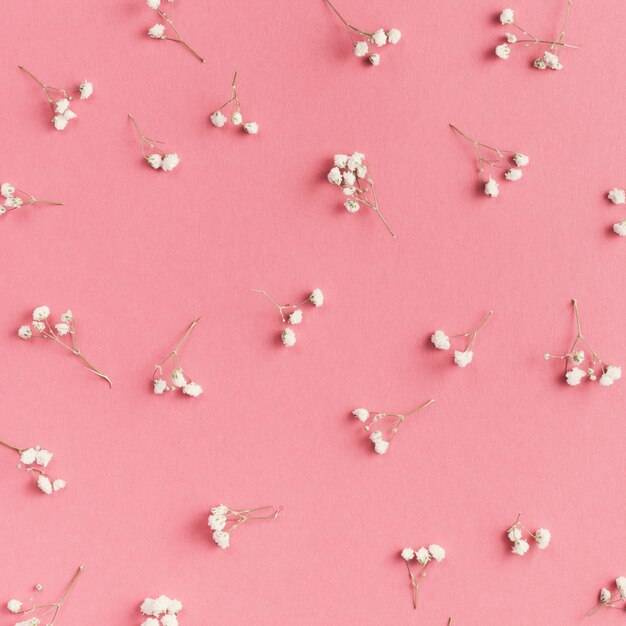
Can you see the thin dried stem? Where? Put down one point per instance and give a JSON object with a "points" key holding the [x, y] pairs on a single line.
{"points": [[281, 307], [145, 139], [8, 445], [345, 22], [46, 88], [179, 38], [176, 351]]}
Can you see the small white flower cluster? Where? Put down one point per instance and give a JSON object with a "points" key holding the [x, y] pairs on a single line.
{"points": [[162, 611], [520, 545], [291, 314], [13, 198], [223, 516], [157, 160], [423, 556], [377, 39], [579, 366], [32, 460], [618, 196], [464, 357], [350, 174], [218, 119], [610, 600]]}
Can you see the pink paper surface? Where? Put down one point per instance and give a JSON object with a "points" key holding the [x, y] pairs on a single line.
{"points": [[138, 254]]}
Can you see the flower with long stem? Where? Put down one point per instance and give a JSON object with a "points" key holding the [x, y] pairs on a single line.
{"points": [[16, 198], [495, 158], [42, 329], [60, 98], [371, 418], [179, 378], [35, 461], [578, 365], [609, 600], [37, 611], [218, 119], [351, 175], [224, 520], [291, 314], [550, 58], [464, 357], [423, 557], [158, 31], [377, 38], [157, 158], [520, 545]]}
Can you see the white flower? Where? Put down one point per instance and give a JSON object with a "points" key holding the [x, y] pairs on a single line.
{"points": [[218, 119], [39, 326], [551, 60], [69, 115], [14, 203], [503, 51], [579, 356], [361, 414], [513, 174], [423, 556], [296, 317], [236, 118], [491, 188], [361, 49], [514, 533], [161, 604], [520, 547], [463, 358], [151, 621], [221, 538], [540, 64], [15, 606], [380, 447], [58, 484], [520, 159], [542, 537], [176, 606], [440, 340], [614, 371], [59, 122], [24, 332], [374, 59], [86, 89], [62, 328], [361, 171], [507, 16], [393, 35], [62, 105], [620, 228], [317, 297], [437, 552], [341, 160], [148, 607], [192, 389], [252, 128], [355, 160], [7, 189], [605, 595], [170, 161], [334, 176], [621, 585], [380, 37], [349, 191], [574, 376], [376, 435], [154, 4], [67, 317], [217, 522], [157, 31], [288, 337], [28, 456], [159, 386], [616, 196], [169, 620], [43, 457], [605, 380], [511, 38], [407, 554], [154, 160], [41, 313], [178, 378], [352, 206], [43, 482], [222, 509], [349, 178]]}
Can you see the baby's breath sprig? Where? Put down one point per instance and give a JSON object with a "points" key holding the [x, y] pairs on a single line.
{"points": [[594, 366], [462, 358], [520, 545], [488, 158], [549, 59], [16, 198], [60, 98], [609, 600], [218, 119], [378, 38], [161, 611], [158, 159], [371, 418], [37, 611], [65, 328], [179, 378], [158, 30], [223, 520], [423, 556], [35, 461], [618, 196]]}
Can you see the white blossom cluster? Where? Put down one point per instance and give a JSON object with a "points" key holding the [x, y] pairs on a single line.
{"points": [[155, 158], [224, 520], [16, 198], [618, 196], [219, 119], [42, 327], [513, 174], [519, 541], [610, 600], [423, 556], [161, 611], [375, 40], [33, 460]]}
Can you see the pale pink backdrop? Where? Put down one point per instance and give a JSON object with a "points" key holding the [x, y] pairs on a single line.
{"points": [[137, 254]]}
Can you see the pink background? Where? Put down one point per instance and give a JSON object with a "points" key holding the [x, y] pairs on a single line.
{"points": [[137, 254]]}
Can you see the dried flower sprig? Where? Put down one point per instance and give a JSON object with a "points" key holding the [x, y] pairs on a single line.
{"points": [[65, 328], [370, 418], [35, 461], [15, 198], [291, 314], [351, 174], [218, 119], [423, 556], [223, 520], [550, 58], [60, 99], [594, 364], [158, 30], [41, 610], [618, 196], [610, 600], [161, 611], [378, 38], [520, 545], [462, 358], [492, 188], [158, 159], [179, 378]]}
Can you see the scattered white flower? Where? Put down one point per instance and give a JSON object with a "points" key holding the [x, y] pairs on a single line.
{"points": [[170, 161], [440, 340], [361, 414], [14, 606], [520, 547], [540, 64], [393, 35], [7, 190], [407, 554], [296, 317], [620, 583], [222, 539], [157, 31], [380, 37], [24, 332], [288, 337], [62, 328], [252, 128], [334, 176], [178, 378], [605, 595], [521, 160], [159, 386], [513, 174], [341, 161], [552, 60], [86, 90], [28, 456], [374, 59], [61, 105], [361, 48], [605, 380], [218, 119], [577, 357], [67, 317], [514, 533], [423, 556], [41, 313], [44, 483], [511, 38], [575, 376], [437, 552], [43, 457], [217, 522], [614, 371], [491, 188], [192, 389], [620, 228], [39, 326], [154, 4], [352, 206], [503, 51], [236, 118], [317, 297], [462, 359], [507, 16], [542, 537], [155, 160], [616, 196]]}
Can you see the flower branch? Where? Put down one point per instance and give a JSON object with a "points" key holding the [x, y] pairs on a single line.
{"points": [[609, 600], [224, 520], [157, 159], [520, 545], [218, 119], [161, 611], [16, 198], [423, 557], [464, 357]]}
